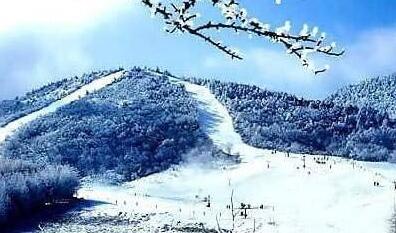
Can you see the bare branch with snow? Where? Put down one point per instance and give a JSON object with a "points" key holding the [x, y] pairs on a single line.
{"points": [[183, 17]]}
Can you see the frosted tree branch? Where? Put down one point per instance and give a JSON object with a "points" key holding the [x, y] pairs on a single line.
{"points": [[182, 18]]}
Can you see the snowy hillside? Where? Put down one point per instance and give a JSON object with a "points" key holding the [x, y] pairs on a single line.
{"points": [[136, 126], [24, 185], [276, 120], [35, 100], [379, 93], [167, 122], [328, 195], [95, 85]]}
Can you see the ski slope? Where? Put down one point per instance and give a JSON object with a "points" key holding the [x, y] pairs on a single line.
{"points": [[217, 122], [95, 85], [338, 196], [317, 198]]}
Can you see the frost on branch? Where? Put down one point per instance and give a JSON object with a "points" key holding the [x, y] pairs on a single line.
{"points": [[183, 18]]}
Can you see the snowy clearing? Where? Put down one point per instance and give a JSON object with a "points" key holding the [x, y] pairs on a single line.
{"points": [[331, 195], [80, 93]]}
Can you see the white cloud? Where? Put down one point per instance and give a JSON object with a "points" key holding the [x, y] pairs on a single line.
{"points": [[372, 54], [44, 40], [32, 62], [17, 14]]}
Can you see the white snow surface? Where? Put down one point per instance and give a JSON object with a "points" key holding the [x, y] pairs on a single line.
{"points": [[315, 199], [295, 199], [95, 85]]}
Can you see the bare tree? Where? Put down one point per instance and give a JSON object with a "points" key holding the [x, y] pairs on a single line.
{"points": [[182, 17]]}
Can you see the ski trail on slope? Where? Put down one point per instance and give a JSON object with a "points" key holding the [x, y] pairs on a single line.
{"points": [[217, 123], [95, 85]]}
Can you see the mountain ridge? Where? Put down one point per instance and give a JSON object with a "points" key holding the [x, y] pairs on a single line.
{"points": [[278, 120]]}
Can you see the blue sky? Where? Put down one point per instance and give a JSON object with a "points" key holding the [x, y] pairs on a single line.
{"points": [[51, 39]]}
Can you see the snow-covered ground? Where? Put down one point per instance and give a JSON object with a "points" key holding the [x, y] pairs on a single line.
{"points": [[338, 196], [95, 85]]}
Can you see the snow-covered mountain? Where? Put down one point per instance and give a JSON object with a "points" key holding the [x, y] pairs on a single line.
{"points": [[326, 195], [263, 118], [131, 123], [281, 121], [134, 125], [120, 126], [281, 192]]}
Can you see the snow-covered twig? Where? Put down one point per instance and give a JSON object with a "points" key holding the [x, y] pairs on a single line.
{"points": [[182, 18]]}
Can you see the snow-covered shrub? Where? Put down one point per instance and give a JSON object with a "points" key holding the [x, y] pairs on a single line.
{"points": [[25, 186]]}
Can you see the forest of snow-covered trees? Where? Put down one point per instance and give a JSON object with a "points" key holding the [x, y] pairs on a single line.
{"points": [[41, 97], [137, 126], [25, 186], [285, 122], [378, 93]]}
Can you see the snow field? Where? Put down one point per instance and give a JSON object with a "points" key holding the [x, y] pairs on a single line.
{"points": [[342, 199]]}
